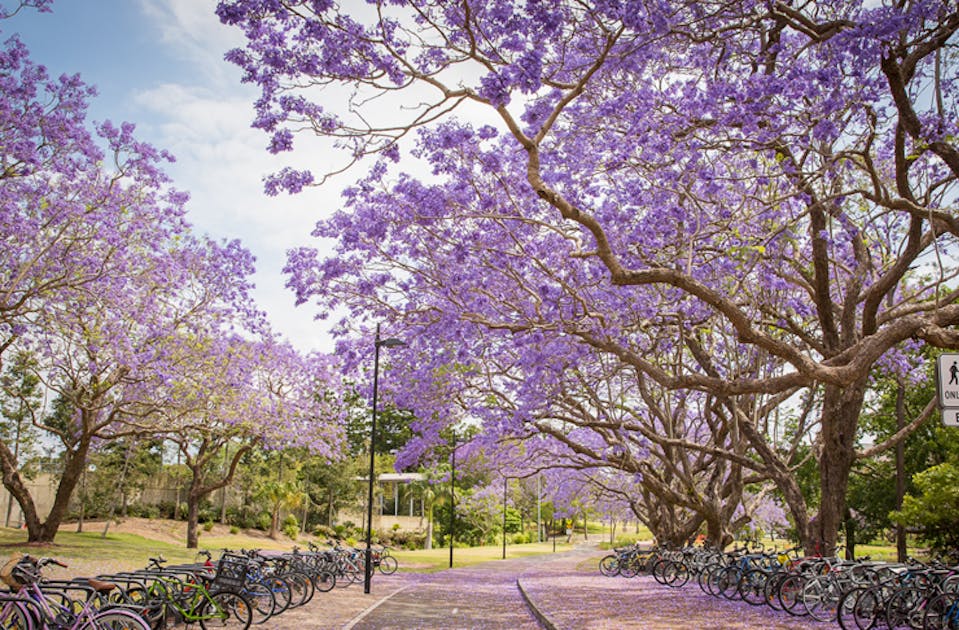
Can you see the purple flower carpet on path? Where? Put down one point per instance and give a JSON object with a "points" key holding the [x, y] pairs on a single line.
{"points": [[566, 588], [592, 602]]}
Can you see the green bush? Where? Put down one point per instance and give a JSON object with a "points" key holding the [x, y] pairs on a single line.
{"points": [[243, 516], [143, 510], [408, 540], [263, 521], [934, 513], [291, 526], [166, 509], [208, 526]]}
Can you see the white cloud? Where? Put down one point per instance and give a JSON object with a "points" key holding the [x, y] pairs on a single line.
{"points": [[221, 161]]}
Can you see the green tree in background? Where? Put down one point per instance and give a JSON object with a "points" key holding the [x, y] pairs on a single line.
{"points": [[20, 401], [879, 480], [934, 510]]}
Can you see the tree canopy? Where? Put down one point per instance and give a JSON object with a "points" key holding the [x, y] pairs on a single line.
{"points": [[767, 184]]}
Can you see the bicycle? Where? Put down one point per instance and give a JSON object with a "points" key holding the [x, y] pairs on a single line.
{"points": [[28, 607], [171, 598], [383, 561]]}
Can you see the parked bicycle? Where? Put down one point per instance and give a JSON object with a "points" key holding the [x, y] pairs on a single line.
{"points": [[28, 606]]}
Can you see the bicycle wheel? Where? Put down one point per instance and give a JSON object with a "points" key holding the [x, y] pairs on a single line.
{"points": [[904, 609], [13, 616], [324, 581], [609, 565], [942, 613], [729, 581], [868, 608], [357, 574], [675, 574], [708, 579], [302, 588], [845, 609], [388, 565], [790, 594], [771, 590], [820, 597], [752, 586], [282, 592], [226, 609], [117, 619], [262, 600], [629, 567]]}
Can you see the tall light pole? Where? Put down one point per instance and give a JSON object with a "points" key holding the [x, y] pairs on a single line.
{"points": [[505, 488], [369, 505], [452, 495]]}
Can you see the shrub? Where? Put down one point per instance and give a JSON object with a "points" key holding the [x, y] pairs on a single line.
{"points": [[234, 529], [242, 516], [165, 509], [291, 526], [934, 513], [324, 531], [143, 510], [208, 526], [408, 539]]}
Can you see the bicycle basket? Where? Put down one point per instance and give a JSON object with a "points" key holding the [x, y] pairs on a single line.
{"points": [[230, 572], [18, 571]]}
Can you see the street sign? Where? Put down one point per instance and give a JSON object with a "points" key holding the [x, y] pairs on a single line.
{"points": [[950, 416], [947, 380], [947, 386]]}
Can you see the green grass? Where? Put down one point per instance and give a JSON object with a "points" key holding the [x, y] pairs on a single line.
{"points": [[438, 559], [92, 545], [126, 551]]}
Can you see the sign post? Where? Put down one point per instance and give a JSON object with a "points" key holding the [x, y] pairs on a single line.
{"points": [[947, 387]]}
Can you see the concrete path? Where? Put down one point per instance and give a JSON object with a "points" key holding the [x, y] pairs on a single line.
{"points": [[564, 591]]}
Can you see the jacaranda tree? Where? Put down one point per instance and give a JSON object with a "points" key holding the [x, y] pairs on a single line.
{"points": [[607, 173], [131, 319]]}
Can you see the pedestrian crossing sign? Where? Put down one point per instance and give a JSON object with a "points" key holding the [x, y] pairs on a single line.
{"points": [[947, 381]]}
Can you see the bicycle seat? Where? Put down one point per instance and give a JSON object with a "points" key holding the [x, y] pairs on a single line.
{"points": [[100, 586]]}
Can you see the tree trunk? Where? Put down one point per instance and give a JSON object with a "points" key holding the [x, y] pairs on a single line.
{"points": [[850, 531], [76, 462], [274, 521], [902, 553], [840, 417], [428, 543], [193, 514], [785, 481]]}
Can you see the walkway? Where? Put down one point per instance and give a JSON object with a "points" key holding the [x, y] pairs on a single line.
{"points": [[566, 589]]}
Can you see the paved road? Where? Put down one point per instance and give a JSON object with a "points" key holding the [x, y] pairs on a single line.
{"points": [[566, 589]]}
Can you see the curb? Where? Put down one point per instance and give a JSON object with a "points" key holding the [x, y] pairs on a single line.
{"points": [[542, 617]]}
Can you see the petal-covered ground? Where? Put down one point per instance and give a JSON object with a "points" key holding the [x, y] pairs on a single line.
{"points": [[566, 588]]}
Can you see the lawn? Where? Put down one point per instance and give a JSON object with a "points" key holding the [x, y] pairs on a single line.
{"points": [[91, 553]]}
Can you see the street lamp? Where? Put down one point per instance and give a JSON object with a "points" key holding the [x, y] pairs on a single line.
{"points": [[388, 343], [452, 494], [505, 488]]}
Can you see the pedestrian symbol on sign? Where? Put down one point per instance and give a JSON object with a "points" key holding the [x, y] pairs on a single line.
{"points": [[947, 383]]}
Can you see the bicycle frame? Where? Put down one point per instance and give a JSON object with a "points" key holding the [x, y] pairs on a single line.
{"points": [[190, 607]]}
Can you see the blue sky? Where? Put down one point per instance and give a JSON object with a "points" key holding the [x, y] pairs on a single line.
{"points": [[159, 64]]}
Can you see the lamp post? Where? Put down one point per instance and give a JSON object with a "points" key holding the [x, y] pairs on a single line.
{"points": [[452, 495], [369, 505], [505, 488]]}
